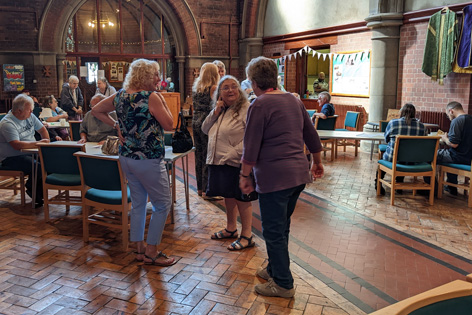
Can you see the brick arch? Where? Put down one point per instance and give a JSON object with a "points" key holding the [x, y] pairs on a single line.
{"points": [[179, 17], [253, 18]]}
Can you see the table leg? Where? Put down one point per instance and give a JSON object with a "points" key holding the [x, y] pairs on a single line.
{"points": [[34, 180], [173, 194], [186, 183], [371, 149]]}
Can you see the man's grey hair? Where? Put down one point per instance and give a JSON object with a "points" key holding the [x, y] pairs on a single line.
{"points": [[97, 98], [20, 102], [326, 95], [73, 78]]}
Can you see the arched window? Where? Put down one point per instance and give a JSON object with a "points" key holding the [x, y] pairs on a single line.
{"points": [[112, 33]]}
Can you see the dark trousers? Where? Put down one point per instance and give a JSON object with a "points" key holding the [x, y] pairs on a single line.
{"points": [[200, 141], [276, 209], [23, 163]]}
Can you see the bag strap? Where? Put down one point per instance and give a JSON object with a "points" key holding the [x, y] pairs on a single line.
{"points": [[178, 122]]}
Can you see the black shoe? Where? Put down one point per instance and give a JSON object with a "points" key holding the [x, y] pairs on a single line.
{"points": [[38, 204], [451, 190], [382, 190], [399, 191]]}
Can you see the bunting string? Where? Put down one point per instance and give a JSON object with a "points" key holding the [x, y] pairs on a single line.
{"points": [[360, 54]]}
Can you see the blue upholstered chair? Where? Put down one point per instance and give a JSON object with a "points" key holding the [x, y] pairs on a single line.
{"points": [[60, 172], [74, 130], [460, 170], [412, 156], [327, 124], [311, 112], [106, 199], [2, 115], [351, 121]]}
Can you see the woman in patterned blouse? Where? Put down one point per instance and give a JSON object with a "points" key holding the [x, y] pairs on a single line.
{"points": [[143, 116]]}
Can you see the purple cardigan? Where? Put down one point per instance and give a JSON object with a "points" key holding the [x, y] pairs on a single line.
{"points": [[277, 128]]}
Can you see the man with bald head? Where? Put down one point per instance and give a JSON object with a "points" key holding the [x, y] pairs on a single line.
{"points": [[17, 130], [72, 99], [93, 129]]}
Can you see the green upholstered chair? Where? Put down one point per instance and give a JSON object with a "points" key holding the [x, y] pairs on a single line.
{"points": [[412, 156], [74, 130], [460, 170], [106, 199], [327, 124], [168, 138], [451, 298], [60, 172], [2, 115], [351, 121]]}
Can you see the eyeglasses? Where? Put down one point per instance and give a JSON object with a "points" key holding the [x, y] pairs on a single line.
{"points": [[227, 88]]}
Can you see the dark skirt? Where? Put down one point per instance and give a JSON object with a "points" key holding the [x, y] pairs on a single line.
{"points": [[223, 180]]}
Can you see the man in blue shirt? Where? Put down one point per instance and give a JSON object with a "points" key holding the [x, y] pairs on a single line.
{"points": [[327, 109], [458, 140], [17, 130]]}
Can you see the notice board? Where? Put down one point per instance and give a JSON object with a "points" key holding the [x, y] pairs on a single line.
{"points": [[350, 74], [13, 78]]}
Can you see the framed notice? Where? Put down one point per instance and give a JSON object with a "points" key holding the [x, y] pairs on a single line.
{"points": [[13, 78], [350, 74]]}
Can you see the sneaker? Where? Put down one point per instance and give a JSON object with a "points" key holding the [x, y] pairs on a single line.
{"points": [[451, 190], [262, 273], [270, 288]]}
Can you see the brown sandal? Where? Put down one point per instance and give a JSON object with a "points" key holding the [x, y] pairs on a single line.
{"points": [[220, 234], [154, 261]]}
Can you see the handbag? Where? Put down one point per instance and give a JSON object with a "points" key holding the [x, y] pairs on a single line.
{"points": [[181, 140], [111, 145]]}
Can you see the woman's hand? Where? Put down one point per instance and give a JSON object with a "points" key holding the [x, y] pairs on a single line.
{"points": [[245, 184], [220, 106], [317, 170]]}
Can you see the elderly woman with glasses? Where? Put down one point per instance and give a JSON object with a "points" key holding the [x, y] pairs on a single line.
{"points": [[277, 128], [225, 128]]}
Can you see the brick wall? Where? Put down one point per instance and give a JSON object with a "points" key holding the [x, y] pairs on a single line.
{"points": [[416, 87]]}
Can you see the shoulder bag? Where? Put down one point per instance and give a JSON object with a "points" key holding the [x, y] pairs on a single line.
{"points": [[181, 140]]}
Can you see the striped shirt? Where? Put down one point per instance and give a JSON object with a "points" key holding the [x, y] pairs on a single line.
{"points": [[400, 127]]}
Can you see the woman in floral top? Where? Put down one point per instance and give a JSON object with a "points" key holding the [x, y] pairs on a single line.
{"points": [[143, 116]]}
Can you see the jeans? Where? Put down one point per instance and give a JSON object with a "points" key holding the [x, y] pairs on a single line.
{"points": [[444, 156], [23, 163], [147, 177], [276, 209]]}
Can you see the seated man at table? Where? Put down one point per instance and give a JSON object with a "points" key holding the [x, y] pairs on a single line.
{"points": [[406, 125], [17, 130], [458, 140], [327, 109], [93, 129]]}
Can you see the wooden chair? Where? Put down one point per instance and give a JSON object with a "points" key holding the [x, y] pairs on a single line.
{"points": [[451, 298], [106, 199], [412, 156], [74, 130], [13, 180], [460, 170], [382, 146], [351, 121], [60, 172], [327, 124]]}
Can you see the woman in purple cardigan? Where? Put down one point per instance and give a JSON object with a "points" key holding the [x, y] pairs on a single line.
{"points": [[277, 128]]}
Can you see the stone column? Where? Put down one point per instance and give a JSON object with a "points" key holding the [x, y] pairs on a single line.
{"points": [[60, 72], [385, 20], [249, 48], [181, 62]]}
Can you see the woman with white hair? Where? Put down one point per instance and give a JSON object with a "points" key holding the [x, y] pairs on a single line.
{"points": [[143, 116]]}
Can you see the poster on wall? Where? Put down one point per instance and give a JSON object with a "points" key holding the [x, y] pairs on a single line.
{"points": [[13, 78], [350, 74]]}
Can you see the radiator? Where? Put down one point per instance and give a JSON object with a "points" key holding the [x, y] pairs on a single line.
{"points": [[439, 118]]}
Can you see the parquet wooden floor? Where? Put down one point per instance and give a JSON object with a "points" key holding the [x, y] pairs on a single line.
{"points": [[351, 253]]}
